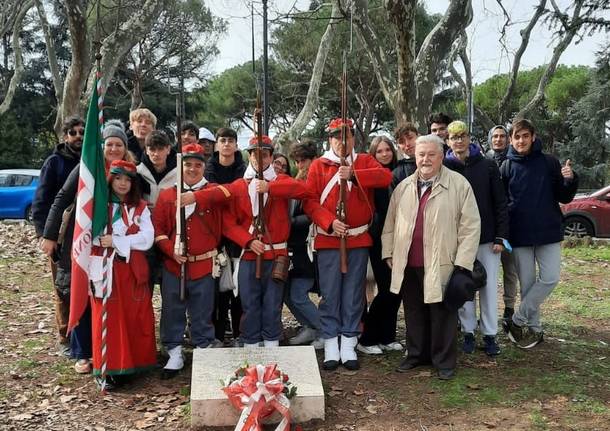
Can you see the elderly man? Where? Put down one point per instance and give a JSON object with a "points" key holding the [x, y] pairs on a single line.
{"points": [[432, 228]]}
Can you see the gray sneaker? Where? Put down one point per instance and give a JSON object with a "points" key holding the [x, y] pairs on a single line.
{"points": [[305, 336], [530, 339]]}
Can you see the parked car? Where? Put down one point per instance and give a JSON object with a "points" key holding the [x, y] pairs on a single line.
{"points": [[17, 188], [588, 215]]}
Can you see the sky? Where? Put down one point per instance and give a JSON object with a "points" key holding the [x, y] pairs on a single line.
{"points": [[487, 56], [485, 50]]}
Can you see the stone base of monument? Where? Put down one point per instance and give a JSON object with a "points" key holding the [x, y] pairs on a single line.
{"points": [[211, 407]]}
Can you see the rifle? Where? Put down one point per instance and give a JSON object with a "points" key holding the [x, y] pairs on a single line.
{"points": [[180, 245], [259, 220], [341, 205]]}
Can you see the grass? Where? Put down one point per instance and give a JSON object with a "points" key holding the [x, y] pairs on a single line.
{"points": [[591, 253]]}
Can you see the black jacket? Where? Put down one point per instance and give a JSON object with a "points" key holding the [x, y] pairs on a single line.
{"points": [[219, 174], [302, 267], [404, 168], [484, 178], [65, 197], [534, 187], [53, 175], [133, 145]]}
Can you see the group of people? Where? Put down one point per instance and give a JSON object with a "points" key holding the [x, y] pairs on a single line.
{"points": [[425, 212]]}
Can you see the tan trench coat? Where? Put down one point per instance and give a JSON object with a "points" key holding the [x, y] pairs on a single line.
{"points": [[452, 228]]}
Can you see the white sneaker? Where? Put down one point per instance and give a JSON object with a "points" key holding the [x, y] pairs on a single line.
{"points": [[82, 366], [370, 350], [395, 346], [318, 343], [305, 336], [348, 352], [176, 360], [271, 343]]}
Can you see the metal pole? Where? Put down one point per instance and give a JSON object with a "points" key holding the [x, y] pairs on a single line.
{"points": [[265, 73]]}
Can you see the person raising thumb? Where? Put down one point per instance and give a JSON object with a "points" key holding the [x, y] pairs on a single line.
{"points": [[566, 170]]}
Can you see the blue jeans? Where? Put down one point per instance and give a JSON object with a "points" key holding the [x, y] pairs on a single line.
{"points": [[343, 297], [80, 337], [199, 303], [300, 305], [261, 301]]}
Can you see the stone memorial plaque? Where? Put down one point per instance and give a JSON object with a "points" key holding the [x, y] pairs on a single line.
{"points": [[211, 407]]}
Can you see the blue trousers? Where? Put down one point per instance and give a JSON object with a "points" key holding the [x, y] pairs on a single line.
{"points": [[199, 303], [343, 295], [261, 301], [80, 337], [300, 305]]}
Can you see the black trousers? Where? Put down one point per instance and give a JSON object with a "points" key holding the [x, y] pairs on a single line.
{"points": [[226, 302], [380, 321], [432, 329]]}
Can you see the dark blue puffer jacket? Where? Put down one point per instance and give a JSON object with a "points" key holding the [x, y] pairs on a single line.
{"points": [[534, 187]]}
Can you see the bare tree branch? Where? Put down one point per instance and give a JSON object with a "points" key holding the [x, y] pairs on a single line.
{"points": [[18, 71], [311, 102], [550, 68], [374, 49], [503, 106], [51, 52]]}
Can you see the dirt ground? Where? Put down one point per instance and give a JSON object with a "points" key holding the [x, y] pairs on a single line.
{"points": [[563, 384]]}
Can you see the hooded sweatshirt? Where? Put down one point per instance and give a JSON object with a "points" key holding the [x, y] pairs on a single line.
{"points": [[497, 156], [151, 181]]}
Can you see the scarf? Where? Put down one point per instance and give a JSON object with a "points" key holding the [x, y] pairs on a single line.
{"points": [[330, 155], [269, 175], [190, 208]]}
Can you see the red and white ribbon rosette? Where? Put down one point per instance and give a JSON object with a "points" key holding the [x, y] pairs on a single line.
{"points": [[258, 391]]}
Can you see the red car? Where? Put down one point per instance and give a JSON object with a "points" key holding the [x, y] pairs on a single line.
{"points": [[588, 215]]}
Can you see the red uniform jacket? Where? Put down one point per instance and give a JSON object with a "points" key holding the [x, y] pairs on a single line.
{"points": [[277, 219], [369, 174], [203, 227]]}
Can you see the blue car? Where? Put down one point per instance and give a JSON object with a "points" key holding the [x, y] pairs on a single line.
{"points": [[17, 188]]}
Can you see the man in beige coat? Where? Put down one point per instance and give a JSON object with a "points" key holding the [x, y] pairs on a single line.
{"points": [[432, 227]]}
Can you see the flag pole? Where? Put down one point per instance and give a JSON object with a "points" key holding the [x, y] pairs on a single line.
{"points": [[100, 101]]}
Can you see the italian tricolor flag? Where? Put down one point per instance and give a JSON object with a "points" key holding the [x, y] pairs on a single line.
{"points": [[91, 205]]}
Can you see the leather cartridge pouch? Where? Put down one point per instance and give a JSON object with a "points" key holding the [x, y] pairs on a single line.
{"points": [[279, 272]]}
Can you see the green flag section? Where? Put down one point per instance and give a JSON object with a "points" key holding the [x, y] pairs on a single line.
{"points": [[91, 207]]}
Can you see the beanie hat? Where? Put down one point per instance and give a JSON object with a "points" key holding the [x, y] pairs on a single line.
{"points": [[115, 129]]}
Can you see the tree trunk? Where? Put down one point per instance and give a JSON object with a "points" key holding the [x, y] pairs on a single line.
{"points": [[402, 16], [69, 104], [18, 71], [434, 49], [311, 102]]}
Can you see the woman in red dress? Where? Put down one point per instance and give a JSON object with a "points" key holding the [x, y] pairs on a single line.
{"points": [[130, 339]]}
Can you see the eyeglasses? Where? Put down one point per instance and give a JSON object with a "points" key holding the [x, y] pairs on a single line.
{"points": [[73, 132], [458, 138]]}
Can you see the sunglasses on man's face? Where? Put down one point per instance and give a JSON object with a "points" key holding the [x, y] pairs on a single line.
{"points": [[76, 132]]}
